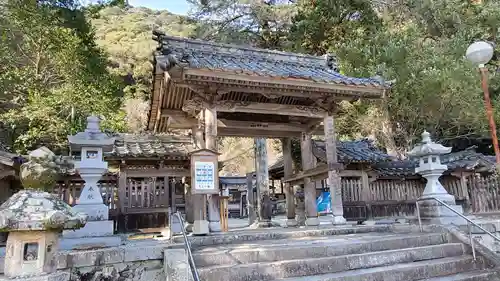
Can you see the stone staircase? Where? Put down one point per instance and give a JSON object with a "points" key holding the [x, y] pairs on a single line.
{"points": [[369, 256]]}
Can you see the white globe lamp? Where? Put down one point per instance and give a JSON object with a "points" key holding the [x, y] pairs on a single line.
{"points": [[479, 53]]}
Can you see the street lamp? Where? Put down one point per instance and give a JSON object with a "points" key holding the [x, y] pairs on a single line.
{"points": [[480, 53]]}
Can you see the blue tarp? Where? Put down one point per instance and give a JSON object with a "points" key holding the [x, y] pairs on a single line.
{"points": [[323, 203]]}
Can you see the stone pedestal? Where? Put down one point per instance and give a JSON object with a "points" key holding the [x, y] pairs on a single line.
{"points": [[213, 213], [95, 234]]}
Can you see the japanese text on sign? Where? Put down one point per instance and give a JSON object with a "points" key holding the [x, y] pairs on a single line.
{"points": [[204, 175]]}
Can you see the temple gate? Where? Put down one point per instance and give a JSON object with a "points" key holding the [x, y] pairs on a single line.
{"points": [[224, 90]]}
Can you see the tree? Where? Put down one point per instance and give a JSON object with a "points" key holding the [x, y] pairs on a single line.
{"points": [[54, 73], [257, 23], [420, 45]]}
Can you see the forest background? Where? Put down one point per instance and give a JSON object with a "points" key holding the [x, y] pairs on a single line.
{"points": [[61, 61]]}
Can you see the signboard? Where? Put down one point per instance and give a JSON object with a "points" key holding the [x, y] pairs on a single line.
{"points": [[204, 175], [204, 172]]}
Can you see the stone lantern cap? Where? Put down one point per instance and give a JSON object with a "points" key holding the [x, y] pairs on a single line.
{"points": [[427, 147], [92, 137], [37, 210]]}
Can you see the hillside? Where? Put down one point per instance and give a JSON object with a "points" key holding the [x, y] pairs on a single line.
{"points": [[125, 34]]}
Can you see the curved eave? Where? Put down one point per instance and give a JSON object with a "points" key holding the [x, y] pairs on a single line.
{"points": [[242, 79]]}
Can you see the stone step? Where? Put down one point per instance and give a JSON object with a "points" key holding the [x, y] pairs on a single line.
{"points": [[317, 247], [437, 268], [486, 275], [234, 237], [316, 266]]}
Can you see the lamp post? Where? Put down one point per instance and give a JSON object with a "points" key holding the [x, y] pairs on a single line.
{"points": [[480, 53]]}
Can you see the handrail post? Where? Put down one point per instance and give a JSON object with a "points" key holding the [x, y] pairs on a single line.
{"points": [[471, 241]]}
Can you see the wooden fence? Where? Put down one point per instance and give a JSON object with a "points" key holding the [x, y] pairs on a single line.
{"points": [[148, 199], [397, 198]]}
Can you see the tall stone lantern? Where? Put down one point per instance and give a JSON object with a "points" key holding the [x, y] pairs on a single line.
{"points": [[430, 167], [98, 232]]}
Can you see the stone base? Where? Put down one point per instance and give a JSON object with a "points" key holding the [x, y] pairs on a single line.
{"points": [[263, 224], [95, 212], [339, 220], [91, 229], [432, 212], [87, 243], [313, 221], [291, 222], [57, 276], [214, 226], [200, 227], [95, 234]]}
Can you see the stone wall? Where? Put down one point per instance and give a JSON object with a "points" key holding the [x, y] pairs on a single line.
{"points": [[142, 261]]}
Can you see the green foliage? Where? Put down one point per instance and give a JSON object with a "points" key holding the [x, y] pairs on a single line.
{"points": [[258, 23], [420, 46], [125, 34], [53, 75]]}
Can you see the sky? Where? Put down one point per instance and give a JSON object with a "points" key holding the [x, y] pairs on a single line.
{"points": [[174, 6]]}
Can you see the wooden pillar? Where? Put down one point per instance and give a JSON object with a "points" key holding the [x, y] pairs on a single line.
{"points": [[264, 205], [211, 143], [286, 144], [311, 210], [465, 191], [334, 180], [198, 201], [188, 204], [252, 215], [122, 189], [366, 194]]}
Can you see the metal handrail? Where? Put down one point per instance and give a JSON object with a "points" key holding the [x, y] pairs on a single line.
{"points": [[469, 223], [194, 270]]}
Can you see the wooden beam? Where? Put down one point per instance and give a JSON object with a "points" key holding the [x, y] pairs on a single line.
{"points": [[158, 173], [270, 108], [309, 84], [181, 120]]}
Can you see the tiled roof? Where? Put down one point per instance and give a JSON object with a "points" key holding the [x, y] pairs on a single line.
{"points": [[150, 146], [467, 159], [359, 151], [245, 60]]}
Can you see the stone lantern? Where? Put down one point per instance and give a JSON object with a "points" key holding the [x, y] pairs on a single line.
{"points": [[34, 220], [430, 167], [98, 232]]}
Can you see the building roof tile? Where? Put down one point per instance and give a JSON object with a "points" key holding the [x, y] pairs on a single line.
{"points": [[245, 60], [150, 146]]}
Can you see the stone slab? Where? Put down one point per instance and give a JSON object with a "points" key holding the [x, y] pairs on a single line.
{"points": [[176, 265], [89, 243], [144, 253], [72, 259], [95, 212], [91, 229], [58, 276]]}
